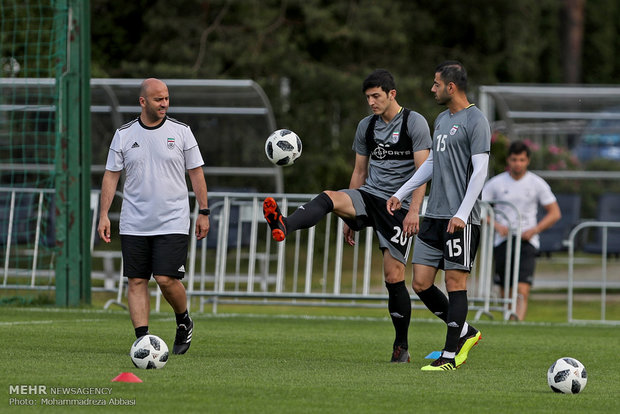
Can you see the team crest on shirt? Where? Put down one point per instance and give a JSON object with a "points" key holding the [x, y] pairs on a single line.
{"points": [[454, 129], [170, 143], [395, 136]]}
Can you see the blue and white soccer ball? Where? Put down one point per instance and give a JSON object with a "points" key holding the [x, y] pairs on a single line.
{"points": [[149, 352], [283, 147], [567, 375]]}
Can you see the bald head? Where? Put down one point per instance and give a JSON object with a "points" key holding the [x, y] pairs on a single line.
{"points": [[154, 100], [149, 85]]}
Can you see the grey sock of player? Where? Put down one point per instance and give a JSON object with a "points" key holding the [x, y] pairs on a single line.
{"points": [[457, 313], [436, 301], [310, 213], [399, 306]]}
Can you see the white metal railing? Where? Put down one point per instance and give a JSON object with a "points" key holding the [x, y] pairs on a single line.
{"points": [[604, 283], [25, 209], [29, 254], [508, 303], [311, 267], [240, 263]]}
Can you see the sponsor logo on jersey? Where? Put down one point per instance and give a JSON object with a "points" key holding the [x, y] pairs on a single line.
{"points": [[381, 152], [454, 129], [170, 143], [135, 145], [181, 269]]}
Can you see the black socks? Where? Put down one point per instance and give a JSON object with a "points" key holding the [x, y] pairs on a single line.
{"points": [[453, 311], [399, 306], [436, 301], [183, 318], [141, 331], [310, 213], [456, 318]]}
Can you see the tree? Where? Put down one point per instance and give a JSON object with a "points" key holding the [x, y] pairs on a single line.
{"points": [[573, 18], [322, 49]]}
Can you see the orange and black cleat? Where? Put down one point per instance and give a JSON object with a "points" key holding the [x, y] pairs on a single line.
{"points": [[274, 218]]}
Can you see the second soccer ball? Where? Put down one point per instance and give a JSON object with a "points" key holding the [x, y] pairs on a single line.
{"points": [[567, 375], [149, 352]]}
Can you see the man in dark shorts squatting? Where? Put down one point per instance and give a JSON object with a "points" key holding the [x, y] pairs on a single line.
{"points": [[450, 232], [155, 151], [391, 143]]}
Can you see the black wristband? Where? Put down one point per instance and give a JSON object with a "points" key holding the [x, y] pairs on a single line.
{"points": [[204, 211]]}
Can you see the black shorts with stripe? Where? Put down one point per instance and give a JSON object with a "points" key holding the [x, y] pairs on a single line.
{"points": [[371, 211], [435, 247], [161, 255]]}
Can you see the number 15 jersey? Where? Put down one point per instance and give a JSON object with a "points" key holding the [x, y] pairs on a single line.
{"points": [[456, 138]]}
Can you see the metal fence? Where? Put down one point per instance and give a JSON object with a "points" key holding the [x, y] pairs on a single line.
{"points": [[239, 262], [602, 282], [311, 267]]}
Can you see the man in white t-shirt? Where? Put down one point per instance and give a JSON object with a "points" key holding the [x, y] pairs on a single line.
{"points": [[155, 151], [525, 190]]}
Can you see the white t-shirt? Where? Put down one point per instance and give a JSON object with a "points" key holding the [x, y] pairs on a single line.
{"points": [[155, 160], [526, 194]]}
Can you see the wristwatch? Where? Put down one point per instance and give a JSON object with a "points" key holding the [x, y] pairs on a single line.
{"points": [[204, 211]]}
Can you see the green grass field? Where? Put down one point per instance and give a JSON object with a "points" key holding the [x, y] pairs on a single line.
{"points": [[313, 360]]}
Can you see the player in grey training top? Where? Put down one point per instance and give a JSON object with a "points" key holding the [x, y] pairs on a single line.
{"points": [[385, 175], [456, 139], [450, 232], [389, 146]]}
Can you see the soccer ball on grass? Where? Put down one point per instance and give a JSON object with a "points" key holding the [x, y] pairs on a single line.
{"points": [[567, 375], [283, 147], [149, 352]]}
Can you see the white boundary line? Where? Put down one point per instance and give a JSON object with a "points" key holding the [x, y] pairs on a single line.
{"points": [[12, 323]]}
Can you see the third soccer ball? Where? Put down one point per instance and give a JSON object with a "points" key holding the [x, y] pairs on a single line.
{"points": [[567, 375], [283, 147], [149, 352]]}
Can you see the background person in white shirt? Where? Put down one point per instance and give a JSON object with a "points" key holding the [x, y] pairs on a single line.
{"points": [[155, 151], [525, 190]]}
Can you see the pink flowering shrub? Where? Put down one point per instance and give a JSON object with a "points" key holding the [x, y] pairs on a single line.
{"points": [[549, 157]]}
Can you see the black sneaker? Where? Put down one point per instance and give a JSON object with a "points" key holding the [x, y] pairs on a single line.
{"points": [[441, 364], [274, 218], [400, 355], [183, 339]]}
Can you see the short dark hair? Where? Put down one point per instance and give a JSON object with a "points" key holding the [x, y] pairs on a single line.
{"points": [[379, 78], [519, 147], [453, 71]]}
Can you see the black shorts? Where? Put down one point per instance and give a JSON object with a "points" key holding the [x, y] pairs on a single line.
{"points": [[371, 211], [527, 263], [162, 255], [437, 248]]}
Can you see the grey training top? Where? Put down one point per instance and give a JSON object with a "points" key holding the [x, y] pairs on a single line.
{"points": [[456, 138], [386, 176]]}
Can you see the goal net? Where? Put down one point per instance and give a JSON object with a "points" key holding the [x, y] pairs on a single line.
{"points": [[32, 50]]}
